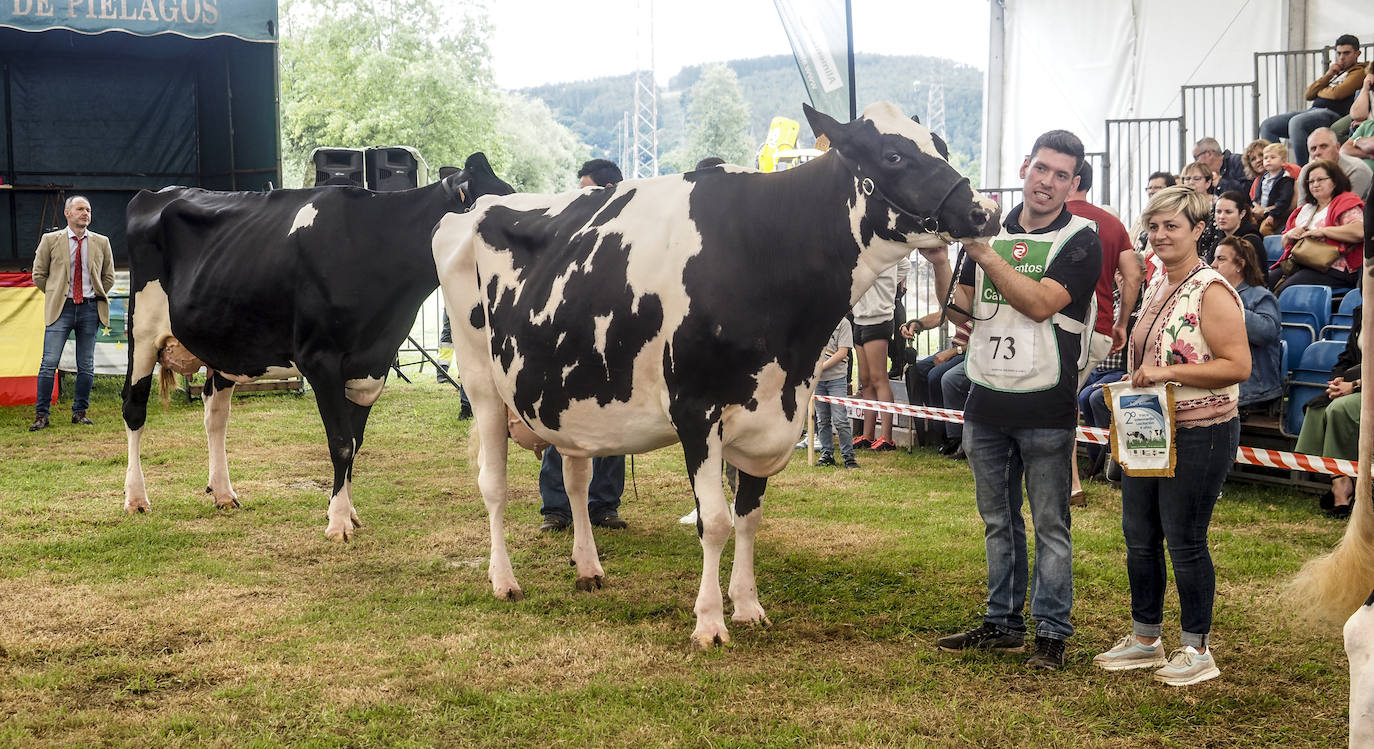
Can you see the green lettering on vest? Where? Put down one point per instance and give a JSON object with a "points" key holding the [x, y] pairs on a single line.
{"points": [[1026, 256]]}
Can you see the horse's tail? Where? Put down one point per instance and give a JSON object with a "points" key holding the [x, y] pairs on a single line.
{"points": [[1334, 585]]}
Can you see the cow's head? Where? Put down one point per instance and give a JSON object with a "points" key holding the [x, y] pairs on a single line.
{"points": [[900, 163], [474, 180]]}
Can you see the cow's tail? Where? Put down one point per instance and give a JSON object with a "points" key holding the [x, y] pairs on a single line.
{"points": [[166, 383], [1331, 587]]}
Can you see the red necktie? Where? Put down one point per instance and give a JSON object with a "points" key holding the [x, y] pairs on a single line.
{"points": [[77, 273]]}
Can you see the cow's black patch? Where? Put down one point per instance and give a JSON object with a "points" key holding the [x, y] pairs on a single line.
{"points": [[591, 264], [1370, 600], [749, 495], [475, 317]]}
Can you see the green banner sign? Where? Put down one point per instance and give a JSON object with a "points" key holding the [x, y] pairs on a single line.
{"points": [[252, 20]]}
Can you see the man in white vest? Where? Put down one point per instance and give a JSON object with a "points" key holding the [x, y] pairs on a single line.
{"points": [[75, 269], [1030, 296]]}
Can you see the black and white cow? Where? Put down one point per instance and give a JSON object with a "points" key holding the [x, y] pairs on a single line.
{"points": [[324, 280], [687, 308]]}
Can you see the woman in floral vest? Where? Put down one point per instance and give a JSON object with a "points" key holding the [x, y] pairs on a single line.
{"points": [[1190, 332]]}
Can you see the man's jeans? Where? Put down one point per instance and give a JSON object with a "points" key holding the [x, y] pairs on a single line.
{"points": [[954, 386], [999, 457], [1177, 511], [85, 320], [603, 495], [1296, 126], [828, 414]]}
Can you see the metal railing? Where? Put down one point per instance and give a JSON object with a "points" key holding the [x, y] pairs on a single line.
{"points": [[1225, 111], [1135, 149]]}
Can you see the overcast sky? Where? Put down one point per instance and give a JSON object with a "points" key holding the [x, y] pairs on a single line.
{"points": [[548, 41]]}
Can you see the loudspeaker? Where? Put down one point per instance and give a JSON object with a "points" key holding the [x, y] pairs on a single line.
{"points": [[395, 168], [338, 166]]}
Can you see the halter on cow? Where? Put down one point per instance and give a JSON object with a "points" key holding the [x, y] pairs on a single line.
{"points": [[687, 308], [325, 280]]}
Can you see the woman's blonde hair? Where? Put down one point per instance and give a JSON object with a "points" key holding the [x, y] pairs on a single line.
{"points": [[1194, 205]]}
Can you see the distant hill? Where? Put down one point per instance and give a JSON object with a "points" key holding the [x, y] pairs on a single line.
{"points": [[594, 109]]}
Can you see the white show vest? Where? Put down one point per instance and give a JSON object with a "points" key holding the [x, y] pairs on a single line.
{"points": [[1009, 351]]}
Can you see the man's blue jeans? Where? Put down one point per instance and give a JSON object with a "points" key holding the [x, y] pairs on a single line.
{"points": [[603, 495], [954, 386], [1296, 126], [1177, 511], [832, 419], [85, 320], [1000, 457]]}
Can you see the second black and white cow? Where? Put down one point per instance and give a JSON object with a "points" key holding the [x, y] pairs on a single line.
{"points": [[686, 308], [324, 280]]}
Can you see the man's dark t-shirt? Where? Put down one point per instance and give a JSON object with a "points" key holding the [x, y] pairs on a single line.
{"points": [[1076, 268]]}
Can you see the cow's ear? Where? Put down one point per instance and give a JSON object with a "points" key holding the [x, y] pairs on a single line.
{"points": [[823, 124]]}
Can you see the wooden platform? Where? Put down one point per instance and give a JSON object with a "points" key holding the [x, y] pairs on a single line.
{"points": [[294, 385]]}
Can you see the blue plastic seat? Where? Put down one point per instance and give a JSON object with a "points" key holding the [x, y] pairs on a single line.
{"points": [[1296, 338], [1307, 380], [1344, 317], [1306, 304], [1273, 248]]}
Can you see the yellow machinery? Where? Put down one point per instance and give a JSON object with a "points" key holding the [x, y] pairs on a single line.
{"points": [[779, 151]]}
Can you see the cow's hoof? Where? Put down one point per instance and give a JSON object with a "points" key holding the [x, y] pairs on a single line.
{"points": [[135, 505], [705, 641], [512, 594], [751, 615], [340, 532], [226, 501], [589, 583]]}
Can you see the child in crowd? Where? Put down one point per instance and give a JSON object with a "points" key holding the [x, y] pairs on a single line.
{"points": [[834, 380], [1274, 198]]}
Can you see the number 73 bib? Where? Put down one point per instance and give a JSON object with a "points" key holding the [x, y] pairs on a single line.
{"points": [[1006, 349]]}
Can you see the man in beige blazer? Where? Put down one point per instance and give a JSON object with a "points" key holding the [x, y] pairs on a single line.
{"points": [[72, 302]]}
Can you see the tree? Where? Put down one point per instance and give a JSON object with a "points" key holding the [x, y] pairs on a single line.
{"points": [[386, 73], [717, 120], [544, 155]]}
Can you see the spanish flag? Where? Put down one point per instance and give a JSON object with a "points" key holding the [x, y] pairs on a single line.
{"points": [[21, 339]]}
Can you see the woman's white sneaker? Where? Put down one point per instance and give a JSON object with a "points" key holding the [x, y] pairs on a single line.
{"points": [[1187, 666], [1128, 654]]}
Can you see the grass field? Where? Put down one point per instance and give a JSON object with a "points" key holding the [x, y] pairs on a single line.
{"points": [[197, 627]]}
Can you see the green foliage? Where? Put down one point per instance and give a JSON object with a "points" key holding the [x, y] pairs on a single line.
{"points": [[717, 121], [544, 154], [363, 74]]}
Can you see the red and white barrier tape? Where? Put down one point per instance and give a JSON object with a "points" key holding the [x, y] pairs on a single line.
{"points": [[1255, 456]]}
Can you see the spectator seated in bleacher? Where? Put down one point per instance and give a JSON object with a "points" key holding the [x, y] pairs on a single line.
{"points": [[1238, 263], [1200, 178], [1228, 169], [1331, 427], [1272, 193], [1253, 160], [924, 377], [1232, 214], [1331, 96], [1331, 214], [1322, 145], [1157, 181]]}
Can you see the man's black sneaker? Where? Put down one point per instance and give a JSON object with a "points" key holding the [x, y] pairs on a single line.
{"points": [[983, 637], [826, 459], [1049, 653], [851, 463]]}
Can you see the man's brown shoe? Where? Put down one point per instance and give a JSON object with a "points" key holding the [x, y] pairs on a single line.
{"points": [[79, 417], [41, 422]]}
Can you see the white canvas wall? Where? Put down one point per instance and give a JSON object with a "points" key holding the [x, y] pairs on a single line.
{"points": [[1073, 64]]}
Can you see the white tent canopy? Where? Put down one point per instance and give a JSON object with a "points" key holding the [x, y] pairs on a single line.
{"points": [[1073, 65]]}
